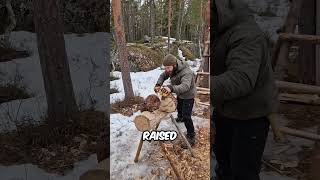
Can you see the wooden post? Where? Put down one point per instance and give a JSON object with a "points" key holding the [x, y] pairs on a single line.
{"points": [[136, 158], [181, 134], [280, 56], [306, 58]]}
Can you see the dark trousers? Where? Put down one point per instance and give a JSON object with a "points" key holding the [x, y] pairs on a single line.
{"points": [[239, 146], [184, 108]]}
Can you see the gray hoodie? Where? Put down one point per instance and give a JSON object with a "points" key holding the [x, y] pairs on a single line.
{"points": [[242, 80], [182, 81]]}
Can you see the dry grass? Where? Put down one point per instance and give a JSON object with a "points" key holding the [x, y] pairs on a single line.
{"points": [[127, 107]]}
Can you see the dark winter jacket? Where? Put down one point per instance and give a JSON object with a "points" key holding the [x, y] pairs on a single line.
{"points": [[182, 81], [242, 81]]}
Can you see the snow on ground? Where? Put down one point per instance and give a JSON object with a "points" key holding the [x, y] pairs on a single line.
{"points": [[124, 142], [142, 82], [166, 38], [32, 172], [123, 134], [180, 55], [87, 62]]}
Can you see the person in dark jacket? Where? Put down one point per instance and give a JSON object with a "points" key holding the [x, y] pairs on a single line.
{"points": [[243, 91], [183, 84]]}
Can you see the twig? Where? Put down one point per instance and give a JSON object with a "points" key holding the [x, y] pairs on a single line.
{"points": [[272, 167]]}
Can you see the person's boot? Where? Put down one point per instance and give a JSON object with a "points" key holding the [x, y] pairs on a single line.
{"points": [[179, 120], [191, 140]]}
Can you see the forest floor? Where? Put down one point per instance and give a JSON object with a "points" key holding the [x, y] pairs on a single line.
{"points": [[31, 147], [281, 161]]}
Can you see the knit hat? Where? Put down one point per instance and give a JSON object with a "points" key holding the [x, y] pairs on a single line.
{"points": [[169, 60]]}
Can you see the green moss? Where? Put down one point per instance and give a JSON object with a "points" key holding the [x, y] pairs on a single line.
{"points": [[154, 54], [187, 53]]}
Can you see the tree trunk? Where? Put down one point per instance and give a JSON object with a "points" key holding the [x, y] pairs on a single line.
{"points": [[169, 25], [178, 27], [54, 62], [10, 27], [318, 46], [121, 45], [315, 159], [152, 14], [161, 15], [307, 51]]}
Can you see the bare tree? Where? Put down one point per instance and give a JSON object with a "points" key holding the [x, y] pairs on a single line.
{"points": [[169, 25], [123, 53], [5, 40], [152, 24], [180, 17], [54, 62]]}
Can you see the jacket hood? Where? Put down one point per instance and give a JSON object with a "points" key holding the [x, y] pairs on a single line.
{"points": [[181, 66], [229, 12]]}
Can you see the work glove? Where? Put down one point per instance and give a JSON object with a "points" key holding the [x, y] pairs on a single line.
{"points": [[157, 88]]}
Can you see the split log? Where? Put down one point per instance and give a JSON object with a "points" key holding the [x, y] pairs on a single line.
{"points": [[204, 104], [203, 73], [172, 162], [203, 89], [300, 98], [203, 92], [298, 88], [298, 38], [148, 120], [299, 133]]}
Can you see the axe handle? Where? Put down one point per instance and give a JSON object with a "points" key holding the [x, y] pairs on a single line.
{"points": [[278, 136]]}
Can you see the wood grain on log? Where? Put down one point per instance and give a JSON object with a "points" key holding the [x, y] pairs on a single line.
{"points": [[148, 120]]}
